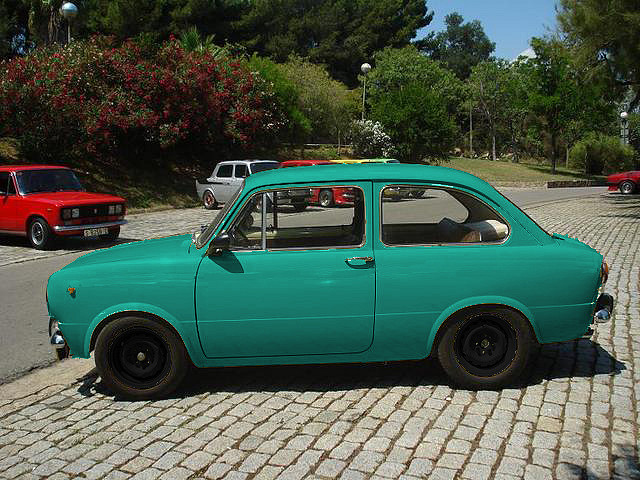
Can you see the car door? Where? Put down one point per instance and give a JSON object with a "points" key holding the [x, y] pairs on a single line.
{"points": [[8, 203], [224, 187], [292, 283]]}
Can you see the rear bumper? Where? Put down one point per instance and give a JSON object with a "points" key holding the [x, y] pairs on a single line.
{"points": [[71, 229]]}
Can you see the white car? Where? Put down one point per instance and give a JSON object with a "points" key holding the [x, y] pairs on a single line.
{"points": [[227, 178]]}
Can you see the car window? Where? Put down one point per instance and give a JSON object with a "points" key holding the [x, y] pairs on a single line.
{"points": [[47, 180], [11, 188], [4, 182], [262, 166], [292, 222], [419, 215], [241, 171], [225, 171]]}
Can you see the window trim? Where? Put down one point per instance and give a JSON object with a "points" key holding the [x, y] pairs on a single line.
{"points": [[446, 188], [233, 221]]}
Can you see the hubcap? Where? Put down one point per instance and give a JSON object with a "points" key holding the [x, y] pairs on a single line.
{"points": [[37, 232], [208, 199], [485, 345]]}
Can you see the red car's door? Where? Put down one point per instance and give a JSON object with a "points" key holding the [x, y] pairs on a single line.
{"points": [[8, 203]]}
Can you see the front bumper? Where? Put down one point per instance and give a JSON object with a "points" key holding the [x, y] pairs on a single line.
{"points": [[602, 312], [56, 339], [81, 228]]}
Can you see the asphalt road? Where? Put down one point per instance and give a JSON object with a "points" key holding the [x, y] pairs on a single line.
{"points": [[23, 314]]}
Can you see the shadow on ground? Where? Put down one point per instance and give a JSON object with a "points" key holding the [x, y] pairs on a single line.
{"points": [[579, 358], [71, 244]]}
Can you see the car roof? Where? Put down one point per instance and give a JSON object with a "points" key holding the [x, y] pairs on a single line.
{"points": [[394, 172], [300, 163], [13, 168], [227, 162]]}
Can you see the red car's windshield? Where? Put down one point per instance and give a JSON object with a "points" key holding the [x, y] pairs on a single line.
{"points": [[47, 180]]}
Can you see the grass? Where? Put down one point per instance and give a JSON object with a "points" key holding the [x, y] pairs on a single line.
{"points": [[525, 173]]}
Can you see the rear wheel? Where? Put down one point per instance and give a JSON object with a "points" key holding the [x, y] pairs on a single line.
{"points": [[627, 187], [486, 347], [209, 200], [40, 235], [325, 198], [139, 358]]}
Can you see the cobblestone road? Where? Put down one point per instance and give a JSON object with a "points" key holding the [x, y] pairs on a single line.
{"points": [[575, 416]]}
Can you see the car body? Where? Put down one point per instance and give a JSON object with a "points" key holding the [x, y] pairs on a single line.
{"points": [[378, 281], [626, 182], [226, 178], [366, 160], [43, 202], [327, 197]]}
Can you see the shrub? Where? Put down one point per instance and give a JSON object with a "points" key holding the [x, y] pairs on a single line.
{"points": [[127, 102], [369, 140], [596, 154]]}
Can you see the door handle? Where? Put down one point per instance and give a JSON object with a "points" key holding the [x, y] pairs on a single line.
{"points": [[359, 259]]}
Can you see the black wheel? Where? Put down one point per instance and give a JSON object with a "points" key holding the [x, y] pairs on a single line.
{"points": [[209, 201], [113, 234], [486, 347], [40, 235], [325, 198], [627, 187], [299, 206], [140, 358]]}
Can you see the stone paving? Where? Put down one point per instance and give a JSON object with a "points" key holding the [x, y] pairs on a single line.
{"points": [[575, 416]]}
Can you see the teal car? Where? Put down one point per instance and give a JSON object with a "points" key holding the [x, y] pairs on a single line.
{"points": [[456, 272]]}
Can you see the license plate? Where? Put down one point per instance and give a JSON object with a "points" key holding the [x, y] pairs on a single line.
{"points": [[94, 232]]}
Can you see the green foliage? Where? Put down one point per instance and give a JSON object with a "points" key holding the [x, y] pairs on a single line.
{"points": [[597, 154], [460, 47], [605, 38], [327, 103], [416, 119], [341, 34], [395, 68], [286, 99]]}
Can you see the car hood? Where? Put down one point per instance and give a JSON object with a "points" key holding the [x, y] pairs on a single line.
{"points": [[136, 251], [74, 198]]}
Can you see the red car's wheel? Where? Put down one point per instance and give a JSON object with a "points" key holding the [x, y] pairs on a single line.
{"points": [[39, 234], [627, 187]]}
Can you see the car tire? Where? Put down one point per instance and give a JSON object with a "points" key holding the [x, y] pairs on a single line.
{"points": [[299, 207], [140, 358], [627, 187], [113, 234], [209, 200], [473, 364], [325, 198], [39, 234]]}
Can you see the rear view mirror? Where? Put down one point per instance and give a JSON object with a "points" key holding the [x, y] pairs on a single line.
{"points": [[219, 244]]}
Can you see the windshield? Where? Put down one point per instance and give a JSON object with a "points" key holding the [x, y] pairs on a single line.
{"points": [[49, 180], [262, 166], [204, 237]]}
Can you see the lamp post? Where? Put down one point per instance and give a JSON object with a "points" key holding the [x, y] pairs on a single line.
{"points": [[624, 128], [365, 68], [69, 11]]}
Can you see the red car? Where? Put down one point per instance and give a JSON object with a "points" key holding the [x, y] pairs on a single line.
{"points": [[626, 182], [325, 197], [44, 202]]}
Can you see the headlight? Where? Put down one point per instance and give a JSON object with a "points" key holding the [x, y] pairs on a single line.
{"points": [[112, 209], [66, 213], [75, 213], [119, 208]]}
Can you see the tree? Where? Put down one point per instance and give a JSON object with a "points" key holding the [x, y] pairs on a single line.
{"points": [[340, 34], [605, 36], [416, 119], [460, 47]]}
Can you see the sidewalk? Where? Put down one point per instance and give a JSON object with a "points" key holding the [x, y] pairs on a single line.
{"points": [[576, 416]]}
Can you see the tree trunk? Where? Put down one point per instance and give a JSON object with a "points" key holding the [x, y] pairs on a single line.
{"points": [[566, 161], [493, 144], [554, 156]]}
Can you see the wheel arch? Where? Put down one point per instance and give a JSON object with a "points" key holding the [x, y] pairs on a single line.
{"points": [[32, 217], [449, 316]]}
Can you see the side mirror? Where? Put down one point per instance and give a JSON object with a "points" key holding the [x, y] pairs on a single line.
{"points": [[219, 244]]}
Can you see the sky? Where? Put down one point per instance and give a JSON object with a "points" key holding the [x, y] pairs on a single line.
{"points": [[510, 24]]}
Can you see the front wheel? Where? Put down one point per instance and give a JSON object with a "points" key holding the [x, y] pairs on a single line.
{"points": [[325, 198], [627, 187], [486, 348], [40, 235], [139, 358]]}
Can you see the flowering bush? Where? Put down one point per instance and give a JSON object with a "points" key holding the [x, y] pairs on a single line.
{"points": [[91, 97], [369, 140]]}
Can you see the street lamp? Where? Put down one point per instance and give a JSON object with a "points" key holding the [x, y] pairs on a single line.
{"points": [[69, 11], [365, 68], [624, 126]]}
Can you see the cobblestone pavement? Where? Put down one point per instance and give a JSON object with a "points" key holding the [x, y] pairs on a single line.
{"points": [[575, 416]]}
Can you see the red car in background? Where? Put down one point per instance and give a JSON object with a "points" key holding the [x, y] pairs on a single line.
{"points": [[44, 202], [325, 197], [626, 182]]}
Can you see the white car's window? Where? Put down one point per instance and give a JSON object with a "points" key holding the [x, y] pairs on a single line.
{"points": [[241, 171], [415, 215], [294, 220], [225, 171]]}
